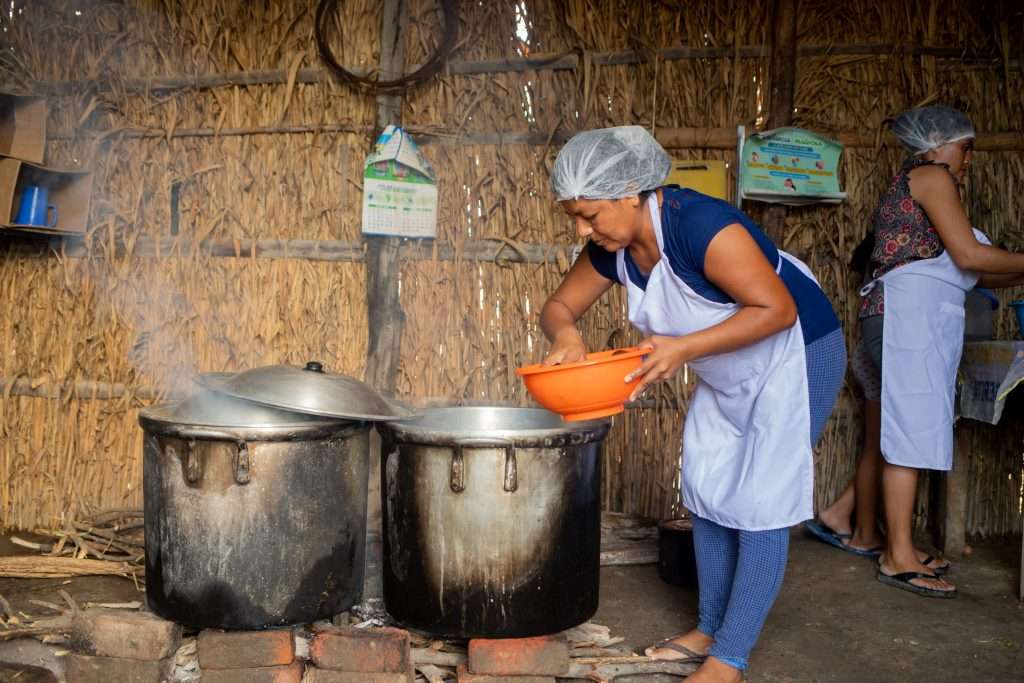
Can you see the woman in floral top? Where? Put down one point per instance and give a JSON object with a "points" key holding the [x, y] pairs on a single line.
{"points": [[902, 232], [918, 220]]}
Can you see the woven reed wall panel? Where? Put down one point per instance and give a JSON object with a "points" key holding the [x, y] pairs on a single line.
{"points": [[148, 323]]}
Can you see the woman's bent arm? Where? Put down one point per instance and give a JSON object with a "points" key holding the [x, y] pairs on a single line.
{"points": [[935, 191], [580, 288], [735, 264]]}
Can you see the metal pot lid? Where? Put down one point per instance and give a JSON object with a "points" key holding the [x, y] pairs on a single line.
{"points": [[209, 409], [496, 426], [308, 390]]}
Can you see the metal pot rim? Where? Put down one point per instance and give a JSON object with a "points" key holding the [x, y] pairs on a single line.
{"points": [[421, 431], [296, 432]]}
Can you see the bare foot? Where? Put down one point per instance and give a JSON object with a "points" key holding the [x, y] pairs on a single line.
{"points": [[715, 671], [936, 583], [937, 563], [695, 641], [837, 520], [865, 541]]}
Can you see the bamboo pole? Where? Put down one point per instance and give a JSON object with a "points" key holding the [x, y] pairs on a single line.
{"points": [[538, 62]]}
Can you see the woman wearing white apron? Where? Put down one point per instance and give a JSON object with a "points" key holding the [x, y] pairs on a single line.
{"points": [[924, 259], [709, 290]]}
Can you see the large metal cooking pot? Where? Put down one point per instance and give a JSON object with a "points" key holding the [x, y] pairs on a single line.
{"points": [[492, 521], [256, 516]]}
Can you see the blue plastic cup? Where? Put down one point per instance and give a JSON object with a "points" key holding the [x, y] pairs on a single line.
{"points": [[1018, 308], [34, 209]]}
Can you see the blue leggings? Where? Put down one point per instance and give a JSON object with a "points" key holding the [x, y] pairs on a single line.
{"points": [[740, 574]]}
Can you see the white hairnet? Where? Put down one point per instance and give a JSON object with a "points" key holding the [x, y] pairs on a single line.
{"points": [[925, 128], [609, 163]]}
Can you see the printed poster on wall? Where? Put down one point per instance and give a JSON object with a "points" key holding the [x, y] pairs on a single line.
{"points": [[399, 191], [790, 166]]}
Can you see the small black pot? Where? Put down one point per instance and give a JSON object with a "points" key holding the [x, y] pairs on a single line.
{"points": [[677, 562]]}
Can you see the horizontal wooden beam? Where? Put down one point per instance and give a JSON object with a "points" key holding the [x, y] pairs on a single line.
{"points": [[495, 250], [83, 388], [424, 135], [672, 138], [134, 133], [540, 62]]}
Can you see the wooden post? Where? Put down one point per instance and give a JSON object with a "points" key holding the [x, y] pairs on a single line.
{"points": [[383, 305], [384, 309], [783, 80], [954, 506]]}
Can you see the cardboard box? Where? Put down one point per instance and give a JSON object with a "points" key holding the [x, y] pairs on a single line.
{"points": [[69, 190], [22, 127]]}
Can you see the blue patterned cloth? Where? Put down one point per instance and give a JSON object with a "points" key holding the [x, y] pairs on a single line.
{"points": [[740, 574], [826, 368]]}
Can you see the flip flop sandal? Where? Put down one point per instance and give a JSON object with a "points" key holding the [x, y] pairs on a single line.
{"points": [[939, 571], [903, 580], [689, 656], [826, 534]]}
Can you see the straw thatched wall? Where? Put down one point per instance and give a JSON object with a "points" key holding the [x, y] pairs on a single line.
{"points": [[225, 218]]}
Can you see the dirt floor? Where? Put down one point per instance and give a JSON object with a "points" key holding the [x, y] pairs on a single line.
{"points": [[833, 621]]}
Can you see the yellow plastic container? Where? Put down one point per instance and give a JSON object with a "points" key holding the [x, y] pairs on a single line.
{"points": [[707, 177]]}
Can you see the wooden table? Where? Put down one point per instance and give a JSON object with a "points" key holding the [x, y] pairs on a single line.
{"points": [[989, 371]]}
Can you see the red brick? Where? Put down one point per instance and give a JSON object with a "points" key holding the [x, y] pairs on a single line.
{"points": [[329, 676], [264, 674], [466, 677], [245, 649], [124, 633], [88, 669], [377, 650], [542, 656]]}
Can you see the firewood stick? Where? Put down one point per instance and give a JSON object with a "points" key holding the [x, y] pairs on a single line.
{"points": [[607, 669], [590, 652], [134, 604], [41, 547], [114, 515], [68, 599], [47, 566], [48, 605], [432, 673], [436, 658], [39, 629]]}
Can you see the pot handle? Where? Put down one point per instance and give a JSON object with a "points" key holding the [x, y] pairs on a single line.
{"points": [[457, 475], [510, 481], [192, 471], [190, 465], [243, 464]]}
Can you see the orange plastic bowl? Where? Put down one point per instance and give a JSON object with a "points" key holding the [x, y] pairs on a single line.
{"points": [[587, 389]]}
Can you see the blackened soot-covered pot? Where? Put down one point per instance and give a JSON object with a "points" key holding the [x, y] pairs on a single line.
{"points": [[255, 516], [491, 521]]}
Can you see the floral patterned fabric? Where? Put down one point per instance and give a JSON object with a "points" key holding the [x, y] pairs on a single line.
{"points": [[903, 234]]}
